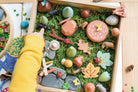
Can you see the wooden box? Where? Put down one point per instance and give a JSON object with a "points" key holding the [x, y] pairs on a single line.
{"points": [[94, 6]]}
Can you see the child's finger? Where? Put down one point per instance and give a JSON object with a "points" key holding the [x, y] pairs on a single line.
{"points": [[42, 31]]}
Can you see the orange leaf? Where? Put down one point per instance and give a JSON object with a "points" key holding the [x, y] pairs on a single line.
{"points": [[90, 71]]}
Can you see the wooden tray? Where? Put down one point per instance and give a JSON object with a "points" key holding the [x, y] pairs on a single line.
{"points": [[7, 18], [95, 6]]}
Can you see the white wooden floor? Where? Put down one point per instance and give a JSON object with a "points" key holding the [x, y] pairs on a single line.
{"points": [[26, 8]]}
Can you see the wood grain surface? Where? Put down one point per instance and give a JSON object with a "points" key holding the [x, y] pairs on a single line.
{"points": [[129, 27]]}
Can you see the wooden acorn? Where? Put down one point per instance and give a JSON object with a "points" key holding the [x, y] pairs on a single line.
{"points": [[45, 8], [68, 63], [85, 13], [78, 61], [89, 87], [67, 12]]}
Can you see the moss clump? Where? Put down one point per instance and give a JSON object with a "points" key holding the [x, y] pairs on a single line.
{"points": [[94, 15]]}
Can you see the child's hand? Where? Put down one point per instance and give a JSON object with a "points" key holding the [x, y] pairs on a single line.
{"points": [[40, 34]]}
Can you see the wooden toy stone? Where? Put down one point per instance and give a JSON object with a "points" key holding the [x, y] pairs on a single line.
{"points": [[1, 14], [97, 31], [89, 87], [45, 8], [51, 80], [112, 20], [24, 24], [85, 13], [104, 77], [48, 52], [115, 32], [59, 70], [73, 82], [71, 52], [101, 87], [43, 20], [78, 61], [67, 12]]}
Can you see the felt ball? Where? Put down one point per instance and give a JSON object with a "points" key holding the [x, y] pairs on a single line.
{"points": [[1, 31], [45, 8], [24, 24], [71, 52], [67, 12], [112, 20], [115, 31], [85, 13], [43, 20], [89, 87], [104, 77]]}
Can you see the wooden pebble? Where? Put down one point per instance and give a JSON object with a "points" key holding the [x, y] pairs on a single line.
{"points": [[67, 12], [45, 8], [69, 28], [112, 20], [115, 31], [85, 13]]}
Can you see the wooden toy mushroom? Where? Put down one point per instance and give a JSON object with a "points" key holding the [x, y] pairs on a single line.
{"points": [[68, 28], [54, 45], [89, 87], [68, 63]]}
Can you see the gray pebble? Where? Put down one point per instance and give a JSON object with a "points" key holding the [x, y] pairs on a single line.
{"points": [[52, 81], [69, 79], [1, 14], [60, 70], [49, 53], [112, 20]]}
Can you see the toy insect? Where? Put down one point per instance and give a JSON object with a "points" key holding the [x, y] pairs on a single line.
{"points": [[66, 41], [54, 12], [130, 68], [39, 25]]}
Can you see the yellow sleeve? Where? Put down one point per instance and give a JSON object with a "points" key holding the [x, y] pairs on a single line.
{"points": [[27, 65]]}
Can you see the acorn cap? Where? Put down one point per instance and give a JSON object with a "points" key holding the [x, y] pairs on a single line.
{"points": [[54, 45]]}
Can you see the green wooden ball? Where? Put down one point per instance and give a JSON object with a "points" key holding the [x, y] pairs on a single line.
{"points": [[67, 12]]}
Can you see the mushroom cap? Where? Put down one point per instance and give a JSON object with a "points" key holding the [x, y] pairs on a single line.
{"points": [[54, 45]]}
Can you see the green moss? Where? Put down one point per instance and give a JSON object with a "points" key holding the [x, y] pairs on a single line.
{"points": [[95, 15]]}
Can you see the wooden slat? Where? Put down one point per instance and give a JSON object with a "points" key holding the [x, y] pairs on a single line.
{"points": [[15, 1], [130, 46]]}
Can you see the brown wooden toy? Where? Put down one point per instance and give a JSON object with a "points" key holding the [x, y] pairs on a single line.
{"points": [[97, 31], [107, 45], [45, 8], [89, 87], [78, 61], [68, 28], [85, 13], [115, 31], [66, 41]]}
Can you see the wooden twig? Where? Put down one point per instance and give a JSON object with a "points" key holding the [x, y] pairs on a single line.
{"points": [[59, 38]]}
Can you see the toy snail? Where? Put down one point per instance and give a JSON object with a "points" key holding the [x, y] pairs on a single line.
{"points": [[89, 87], [39, 25], [68, 63], [69, 27]]}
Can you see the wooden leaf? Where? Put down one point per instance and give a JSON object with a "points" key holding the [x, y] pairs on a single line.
{"points": [[83, 46], [90, 71]]}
